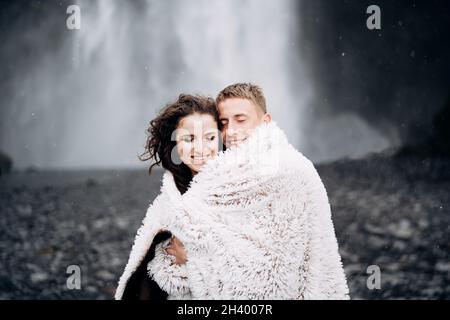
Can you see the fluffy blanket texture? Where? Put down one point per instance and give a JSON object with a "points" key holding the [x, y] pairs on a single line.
{"points": [[256, 224]]}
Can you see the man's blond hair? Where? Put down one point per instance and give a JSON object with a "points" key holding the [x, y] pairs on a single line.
{"points": [[247, 91]]}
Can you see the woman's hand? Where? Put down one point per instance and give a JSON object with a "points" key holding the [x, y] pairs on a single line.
{"points": [[176, 249]]}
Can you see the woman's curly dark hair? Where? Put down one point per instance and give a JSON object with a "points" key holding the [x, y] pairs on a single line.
{"points": [[160, 143]]}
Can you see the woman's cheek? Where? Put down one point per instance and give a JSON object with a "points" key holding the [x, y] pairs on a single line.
{"points": [[213, 147]]}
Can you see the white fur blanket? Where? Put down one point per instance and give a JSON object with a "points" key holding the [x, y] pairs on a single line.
{"points": [[256, 224]]}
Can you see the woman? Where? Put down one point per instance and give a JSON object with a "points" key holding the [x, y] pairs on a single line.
{"points": [[182, 138]]}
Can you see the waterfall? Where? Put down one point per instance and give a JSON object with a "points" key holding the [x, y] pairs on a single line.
{"points": [[93, 95]]}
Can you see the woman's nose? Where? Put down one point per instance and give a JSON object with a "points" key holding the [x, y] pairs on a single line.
{"points": [[198, 146]]}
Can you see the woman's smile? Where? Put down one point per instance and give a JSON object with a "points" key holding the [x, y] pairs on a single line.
{"points": [[201, 159]]}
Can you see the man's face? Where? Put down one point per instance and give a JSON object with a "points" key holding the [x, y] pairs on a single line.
{"points": [[239, 117]]}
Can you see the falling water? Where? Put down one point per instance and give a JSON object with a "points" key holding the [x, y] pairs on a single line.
{"points": [[89, 100]]}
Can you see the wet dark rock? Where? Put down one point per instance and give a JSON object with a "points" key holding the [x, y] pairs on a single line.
{"points": [[440, 139], [91, 182], [390, 211], [6, 163]]}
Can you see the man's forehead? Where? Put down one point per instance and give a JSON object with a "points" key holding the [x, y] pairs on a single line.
{"points": [[235, 102], [233, 115], [235, 107]]}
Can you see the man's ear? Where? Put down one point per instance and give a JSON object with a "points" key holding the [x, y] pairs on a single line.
{"points": [[267, 117]]}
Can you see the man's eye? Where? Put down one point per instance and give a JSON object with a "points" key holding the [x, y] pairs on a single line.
{"points": [[212, 138], [240, 120], [187, 139]]}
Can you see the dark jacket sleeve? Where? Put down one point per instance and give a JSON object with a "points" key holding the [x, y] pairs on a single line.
{"points": [[140, 286]]}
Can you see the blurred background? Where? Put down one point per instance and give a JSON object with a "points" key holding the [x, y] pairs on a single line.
{"points": [[371, 109]]}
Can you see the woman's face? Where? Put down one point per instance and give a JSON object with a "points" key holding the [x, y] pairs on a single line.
{"points": [[197, 138]]}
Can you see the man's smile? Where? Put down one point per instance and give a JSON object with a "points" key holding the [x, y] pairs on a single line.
{"points": [[236, 141]]}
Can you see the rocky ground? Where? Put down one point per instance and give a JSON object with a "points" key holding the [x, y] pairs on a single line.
{"points": [[389, 211]]}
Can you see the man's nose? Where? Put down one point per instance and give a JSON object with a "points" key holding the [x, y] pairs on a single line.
{"points": [[232, 127], [231, 131]]}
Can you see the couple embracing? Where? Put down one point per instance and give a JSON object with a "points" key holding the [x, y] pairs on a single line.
{"points": [[241, 213]]}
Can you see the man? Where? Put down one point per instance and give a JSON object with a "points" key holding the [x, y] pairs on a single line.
{"points": [[242, 109]]}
